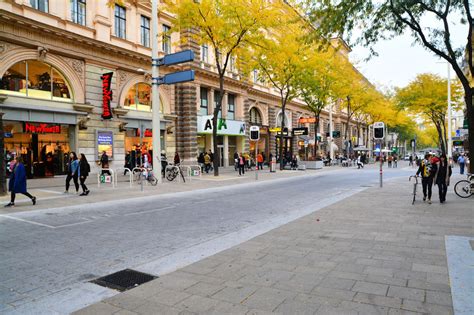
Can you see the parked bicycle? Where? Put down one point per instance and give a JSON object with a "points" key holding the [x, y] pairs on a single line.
{"points": [[465, 188], [414, 187], [172, 171], [145, 174]]}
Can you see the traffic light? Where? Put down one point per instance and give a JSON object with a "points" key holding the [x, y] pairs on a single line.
{"points": [[254, 133], [379, 130]]}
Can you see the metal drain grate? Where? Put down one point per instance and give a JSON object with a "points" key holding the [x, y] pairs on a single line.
{"points": [[124, 280]]}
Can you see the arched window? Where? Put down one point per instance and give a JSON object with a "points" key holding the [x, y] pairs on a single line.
{"points": [[32, 78], [139, 98], [255, 117]]}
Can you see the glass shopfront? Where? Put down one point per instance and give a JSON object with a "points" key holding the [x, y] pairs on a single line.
{"points": [[136, 145], [43, 147]]}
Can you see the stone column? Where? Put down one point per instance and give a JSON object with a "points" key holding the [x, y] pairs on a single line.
{"points": [[186, 123], [271, 123], [226, 151], [246, 118], [3, 180]]}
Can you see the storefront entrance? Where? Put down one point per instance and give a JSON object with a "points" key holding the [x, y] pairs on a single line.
{"points": [[43, 147], [136, 145], [287, 147]]}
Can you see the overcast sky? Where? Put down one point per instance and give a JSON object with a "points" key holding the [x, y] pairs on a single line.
{"points": [[399, 61]]}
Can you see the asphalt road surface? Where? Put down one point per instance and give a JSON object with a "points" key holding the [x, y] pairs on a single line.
{"points": [[48, 257]]}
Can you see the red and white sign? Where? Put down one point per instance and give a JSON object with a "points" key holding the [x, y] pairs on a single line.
{"points": [[106, 95], [42, 128], [307, 120]]}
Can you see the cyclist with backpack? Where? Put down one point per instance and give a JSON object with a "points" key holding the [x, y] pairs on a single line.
{"points": [[427, 174]]}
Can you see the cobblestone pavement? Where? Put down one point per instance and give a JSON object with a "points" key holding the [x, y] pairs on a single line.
{"points": [[371, 253]]}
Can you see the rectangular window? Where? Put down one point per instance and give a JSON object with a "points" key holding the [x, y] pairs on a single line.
{"points": [[204, 102], [41, 5], [232, 63], [166, 39], [145, 31], [205, 53], [120, 21], [255, 76], [231, 106], [78, 11]]}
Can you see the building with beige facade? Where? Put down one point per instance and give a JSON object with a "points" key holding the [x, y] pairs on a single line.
{"points": [[63, 63]]}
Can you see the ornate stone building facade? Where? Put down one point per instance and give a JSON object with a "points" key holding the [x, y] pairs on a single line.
{"points": [[53, 56]]}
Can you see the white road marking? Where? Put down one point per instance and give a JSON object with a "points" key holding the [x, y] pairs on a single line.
{"points": [[27, 221], [149, 211]]}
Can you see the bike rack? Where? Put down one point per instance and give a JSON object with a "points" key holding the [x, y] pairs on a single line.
{"points": [[112, 174], [141, 169], [130, 175], [188, 171]]}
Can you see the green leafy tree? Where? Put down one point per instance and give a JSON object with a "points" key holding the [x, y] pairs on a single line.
{"points": [[426, 96], [230, 27], [382, 19]]}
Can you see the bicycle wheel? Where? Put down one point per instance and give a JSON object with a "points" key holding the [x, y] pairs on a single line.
{"points": [[463, 189], [171, 175], [153, 180]]}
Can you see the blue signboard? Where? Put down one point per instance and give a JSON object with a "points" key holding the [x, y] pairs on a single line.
{"points": [[179, 57], [178, 77]]}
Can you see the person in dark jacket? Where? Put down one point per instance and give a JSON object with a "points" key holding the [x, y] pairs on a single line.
{"points": [[17, 183], [443, 173], [83, 171], [72, 172], [427, 174], [242, 163], [104, 163], [177, 159]]}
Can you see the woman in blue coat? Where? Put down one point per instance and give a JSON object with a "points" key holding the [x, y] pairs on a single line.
{"points": [[17, 183]]}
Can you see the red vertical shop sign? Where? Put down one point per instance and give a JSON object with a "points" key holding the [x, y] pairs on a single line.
{"points": [[106, 95]]}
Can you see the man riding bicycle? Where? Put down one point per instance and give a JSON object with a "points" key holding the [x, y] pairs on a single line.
{"points": [[427, 173]]}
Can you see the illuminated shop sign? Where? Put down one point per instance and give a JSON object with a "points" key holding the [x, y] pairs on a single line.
{"points": [[148, 133], [42, 128], [106, 95]]}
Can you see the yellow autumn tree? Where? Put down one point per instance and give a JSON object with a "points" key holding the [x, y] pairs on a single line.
{"points": [[230, 27], [280, 59]]}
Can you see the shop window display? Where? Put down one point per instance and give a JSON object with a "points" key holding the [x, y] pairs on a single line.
{"points": [[35, 79], [139, 98], [43, 147]]}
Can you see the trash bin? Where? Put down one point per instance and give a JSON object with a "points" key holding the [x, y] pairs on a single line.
{"points": [[273, 165]]}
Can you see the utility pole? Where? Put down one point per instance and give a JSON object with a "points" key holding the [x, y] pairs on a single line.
{"points": [[331, 151], [155, 93]]}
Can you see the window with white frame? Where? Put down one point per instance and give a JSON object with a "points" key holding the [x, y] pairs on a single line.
{"points": [[255, 76], [41, 5], [78, 11], [145, 31], [216, 98], [166, 40], [205, 53], [232, 62], [120, 21], [231, 106], [255, 117]]}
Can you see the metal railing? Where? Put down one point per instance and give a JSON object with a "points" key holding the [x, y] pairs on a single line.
{"points": [[126, 169]]}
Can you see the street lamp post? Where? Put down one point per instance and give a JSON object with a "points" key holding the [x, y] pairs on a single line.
{"points": [[331, 151], [155, 96]]}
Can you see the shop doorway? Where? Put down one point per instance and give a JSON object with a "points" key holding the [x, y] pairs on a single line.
{"points": [[221, 155]]}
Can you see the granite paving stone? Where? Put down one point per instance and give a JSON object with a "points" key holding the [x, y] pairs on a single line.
{"points": [[370, 288]]}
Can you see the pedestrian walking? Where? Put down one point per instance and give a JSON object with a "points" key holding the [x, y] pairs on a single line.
{"points": [[200, 160], [177, 159], [462, 162], [242, 163], [410, 161], [260, 161], [236, 161], [17, 183], [83, 170], [360, 163], [427, 173], [72, 172], [443, 173], [395, 161], [207, 162], [390, 160]]}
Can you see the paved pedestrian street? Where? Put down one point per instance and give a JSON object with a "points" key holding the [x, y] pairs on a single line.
{"points": [[372, 253]]}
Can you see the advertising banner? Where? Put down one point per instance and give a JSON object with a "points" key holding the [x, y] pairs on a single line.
{"points": [[224, 126], [105, 142]]}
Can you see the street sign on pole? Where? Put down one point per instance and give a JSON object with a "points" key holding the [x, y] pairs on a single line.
{"points": [[176, 58], [379, 130], [177, 77]]}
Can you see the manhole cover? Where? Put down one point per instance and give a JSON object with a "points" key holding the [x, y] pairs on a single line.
{"points": [[124, 280]]}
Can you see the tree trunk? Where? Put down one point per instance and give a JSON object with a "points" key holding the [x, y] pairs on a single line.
{"points": [[469, 93], [316, 128], [280, 149], [440, 137], [217, 109], [3, 180]]}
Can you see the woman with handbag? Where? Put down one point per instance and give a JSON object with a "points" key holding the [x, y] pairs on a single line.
{"points": [[17, 183]]}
